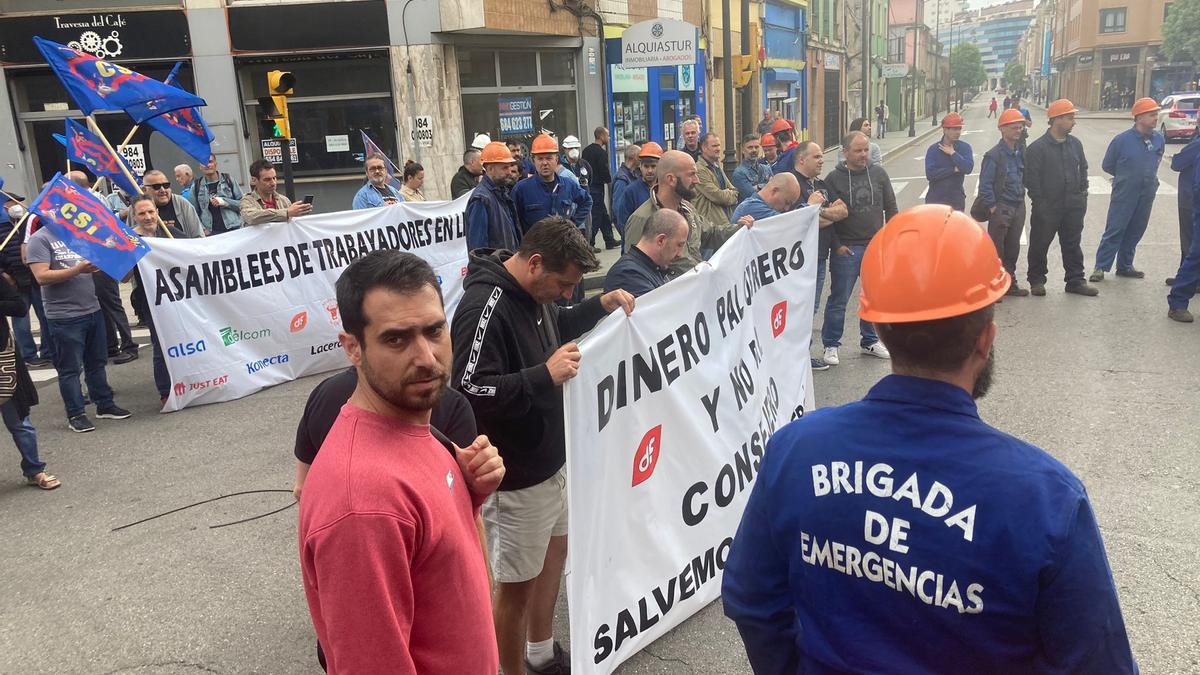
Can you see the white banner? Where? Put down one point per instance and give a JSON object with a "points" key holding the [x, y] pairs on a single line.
{"points": [[667, 421], [257, 307]]}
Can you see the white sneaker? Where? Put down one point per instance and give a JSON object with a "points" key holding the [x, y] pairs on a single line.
{"points": [[878, 350], [831, 356]]}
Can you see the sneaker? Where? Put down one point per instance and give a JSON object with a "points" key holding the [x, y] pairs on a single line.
{"points": [[1082, 288], [877, 350], [124, 357], [113, 412], [80, 424], [818, 364], [1097, 276], [595, 250], [1037, 289], [1170, 281], [1016, 291], [38, 363], [1180, 315], [559, 665], [1131, 274], [830, 356]]}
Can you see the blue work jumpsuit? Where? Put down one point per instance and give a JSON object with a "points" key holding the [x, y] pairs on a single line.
{"points": [[1132, 160]]}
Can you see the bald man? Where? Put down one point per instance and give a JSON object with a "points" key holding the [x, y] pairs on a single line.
{"points": [[646, 265], [776, 197], [677, 181]]}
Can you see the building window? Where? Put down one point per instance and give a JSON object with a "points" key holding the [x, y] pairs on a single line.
{"points": [[336, 96], [1166, 11], [1112, 20], [517, 93]]}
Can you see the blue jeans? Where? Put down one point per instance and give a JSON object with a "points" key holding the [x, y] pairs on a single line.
{"points": [[1188, 276], [23, 332], [843, 274], [80, 345], [822, 261], [1128, 215], [25, 437], [162, 377]]}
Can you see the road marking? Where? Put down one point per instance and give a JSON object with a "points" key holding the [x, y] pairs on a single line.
{"points": [[898, 186], [923, 193], [1099, 185]]}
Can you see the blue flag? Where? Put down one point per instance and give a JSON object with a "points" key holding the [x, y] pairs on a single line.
{"points": [[369, 148], [86, 148], [99, 85], [186, 128], [88, 227]]}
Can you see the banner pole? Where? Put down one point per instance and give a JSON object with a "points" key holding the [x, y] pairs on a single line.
{"points": [[14, 230], [96, 129]]}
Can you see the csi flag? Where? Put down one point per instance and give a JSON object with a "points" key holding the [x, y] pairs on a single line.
{"points": [[86, 148], [88, 227], [186, 129], [99, 85], [369, 148]]}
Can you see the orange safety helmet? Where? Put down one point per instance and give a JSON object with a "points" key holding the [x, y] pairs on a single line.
{"points": [[544, 144], [929, 262], [952, 121], [1059, 108], [769, 139], [496, 152], [650, 150], [1010, 116], [781, 125], [1144, 105]]}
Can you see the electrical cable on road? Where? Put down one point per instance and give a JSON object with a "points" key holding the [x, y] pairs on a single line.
{"points": [[209, 501]]}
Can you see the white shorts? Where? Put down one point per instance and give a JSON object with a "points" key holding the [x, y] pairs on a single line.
{"points": [[520, 524]]}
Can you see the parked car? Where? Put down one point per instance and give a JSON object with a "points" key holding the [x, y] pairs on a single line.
{"points": [[1177, 118]]}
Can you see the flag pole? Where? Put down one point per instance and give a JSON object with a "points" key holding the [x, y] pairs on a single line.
{"points": [[124, 169], [14, 230]]}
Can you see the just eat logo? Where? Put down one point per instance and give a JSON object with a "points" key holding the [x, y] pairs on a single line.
{"points": [[646, 457], [779, 318]]}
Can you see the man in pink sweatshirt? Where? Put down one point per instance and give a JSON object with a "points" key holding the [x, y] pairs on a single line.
{"points": [[393, 572]]}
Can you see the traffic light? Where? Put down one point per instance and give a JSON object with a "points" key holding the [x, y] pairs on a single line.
{"points": [[743, 70], [281, 82], [274, 119]]}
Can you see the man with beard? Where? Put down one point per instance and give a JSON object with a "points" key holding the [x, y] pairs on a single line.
{"points": [[389, 554], [491, 216], [513, 350], [677, 181], [904, 519], [468, 175]]}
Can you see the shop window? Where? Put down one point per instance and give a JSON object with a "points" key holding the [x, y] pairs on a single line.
{"points": [[476, 68], [558, 68], [554, 111], [330, 75], [518, 69], [536, 91], [1112, 20]]}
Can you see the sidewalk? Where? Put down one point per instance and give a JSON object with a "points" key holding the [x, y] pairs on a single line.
{"points": [[898, 140]]}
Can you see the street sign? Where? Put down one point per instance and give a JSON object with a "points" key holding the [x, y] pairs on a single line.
{"points": [[894, 70], [421, 130], [273, 153]]}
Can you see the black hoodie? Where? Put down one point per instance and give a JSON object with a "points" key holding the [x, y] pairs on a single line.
{"points": [[502, 340], [869, 198]]}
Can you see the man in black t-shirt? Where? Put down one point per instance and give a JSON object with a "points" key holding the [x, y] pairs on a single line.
{"points": [[175, 211]]}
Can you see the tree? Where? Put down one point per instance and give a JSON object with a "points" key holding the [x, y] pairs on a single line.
{"points": [[1014, 74], [1181, 31], [966, 66]]}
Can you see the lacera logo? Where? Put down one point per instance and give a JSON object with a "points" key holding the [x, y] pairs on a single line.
{"points": [[646, 457], [779, 318], [230, 335], [186, 349], [299, 322], [321, 349], [255, 366]]}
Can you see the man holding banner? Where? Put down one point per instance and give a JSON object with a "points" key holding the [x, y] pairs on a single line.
{"points": [[377, 191], [901, 533], [262, 204], [513, 350]]}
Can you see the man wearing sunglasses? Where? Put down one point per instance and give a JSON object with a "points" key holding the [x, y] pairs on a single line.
{"points": [[174, 210]]}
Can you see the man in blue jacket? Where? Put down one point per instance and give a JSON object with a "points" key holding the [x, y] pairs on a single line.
{"points": [[947, 163], [491, 218], [544, 194], [1132, 160], [627, 174], [647, 264], [1002, 188], [1185, 282], [1184, 162], [638, 192], [378, 190], [903, 534], [751, 175]]}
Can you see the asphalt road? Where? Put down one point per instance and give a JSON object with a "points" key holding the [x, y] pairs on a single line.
{"points": [[1105, 384]]}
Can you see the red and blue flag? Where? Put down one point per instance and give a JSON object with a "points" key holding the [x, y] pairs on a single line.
{"points": [[87, 149], [186, 128], [369, 148], [88, 227], [96, 84]]}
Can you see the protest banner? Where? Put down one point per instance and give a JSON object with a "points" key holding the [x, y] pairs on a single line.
{"points": [[257, 306], [666, 426]]}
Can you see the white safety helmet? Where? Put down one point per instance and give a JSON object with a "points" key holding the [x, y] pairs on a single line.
{"points": [[570, 142], [481, 141]]}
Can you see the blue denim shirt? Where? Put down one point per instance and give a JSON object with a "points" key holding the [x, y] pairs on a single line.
{"points": [[750, 177], [754, 206], [1014, 185]]}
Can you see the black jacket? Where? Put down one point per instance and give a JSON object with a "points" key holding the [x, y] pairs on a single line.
{"points": [[596, 155], [869, 198], [1056, 174], [635, 272], [463, 182], [502, 340], [11, 304]]}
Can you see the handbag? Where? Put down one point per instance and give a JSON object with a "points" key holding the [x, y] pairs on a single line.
{"points": [[981, 211], [8, 371]]}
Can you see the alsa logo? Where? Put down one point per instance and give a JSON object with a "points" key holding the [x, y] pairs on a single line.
{"points": [[779, 318], [186, 349], [299, 322], [646, 457], [321, 349], [182, 388], [255, 366]]}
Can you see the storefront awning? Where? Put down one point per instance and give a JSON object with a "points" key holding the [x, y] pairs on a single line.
{"points": [[782, 74]]}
